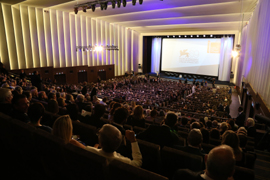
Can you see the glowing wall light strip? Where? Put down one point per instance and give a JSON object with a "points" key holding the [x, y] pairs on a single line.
{"points": [[55, 48], [41, 39], [47, 36], [18, 37], [78, 38], [132, 51], [67, 38], [60, 38], [9, 29], [33, 33], [106, 42], [88, 39], [72, 39], [83, 38]]}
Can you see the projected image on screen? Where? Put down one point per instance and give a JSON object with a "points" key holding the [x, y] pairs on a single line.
{"points": [[194, 56]]}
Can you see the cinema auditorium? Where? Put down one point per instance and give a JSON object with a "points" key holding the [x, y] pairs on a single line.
{"points": [[135, 89]]}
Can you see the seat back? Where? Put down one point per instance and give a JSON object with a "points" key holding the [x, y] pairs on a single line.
{"points": [[250, 160], [87, 133], [173, 159], [137, 129], [128, 127], [82, 164], [151, 156], [122, 171], [215, 142], [243, 173], [207, 147], [183, 134]]}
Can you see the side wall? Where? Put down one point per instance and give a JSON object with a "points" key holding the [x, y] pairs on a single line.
{"points": [[34, 38]]}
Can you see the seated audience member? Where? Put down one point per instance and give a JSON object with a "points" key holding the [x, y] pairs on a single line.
{"points": [[209, 124], [18, 90], [240, 120], [215, 124], [95, 100], [53, 106], [114, 107], [35, 113], [194, 140], [28, 95], [104, 101], [69, 99], [42, 96], [20, 106], [242, 141], [195, 125], [51, 96], [5, 100], [242, 130], [110, 139], [153, 115], [163, 135], [137, 118], [61, 102], [220, 164], [232, 124], [250, 126], [80, 102], [97, 119], [214, 133], [120, 118], [34, 93], [231, 139], [63, 128], [223, 127], [184, 122], [205, 134]]}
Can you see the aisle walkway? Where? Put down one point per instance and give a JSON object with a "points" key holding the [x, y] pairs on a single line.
{"points": [[234, 105]]}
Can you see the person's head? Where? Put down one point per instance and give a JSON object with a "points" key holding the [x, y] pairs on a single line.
{"points": [[42, 95], [89, 108], [242, 130], [73, 110], [242, 140], [205, 134], [19, 89], [215, 123], [5, 95], [195, 125], [28, 95], [53, 106], [231, 123], [250, 122], [214, 133], [138, 112], [69, 97], [120, 115], [104, 99], [99, 110], [61, 102], [109, 138], [231, 139], [184, 121], [35, 112], [220, 162], [223, 126], [20, 103], [52, 95], [195, 138], [153, 113], [171, 119], [240, 109], [209, 124], [114, 107], [80, 98], [34, 92], [63, 128]]}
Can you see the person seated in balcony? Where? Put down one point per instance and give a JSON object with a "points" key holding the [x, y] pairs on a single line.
{"points": [[220, 165], [110, 139], [63, 129], [35, 113], [250, 126], [5, 100], [42, 96], [137, 118], [20, 106]]}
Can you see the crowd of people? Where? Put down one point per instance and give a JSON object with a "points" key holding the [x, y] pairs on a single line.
{"points": [[161, 107]]}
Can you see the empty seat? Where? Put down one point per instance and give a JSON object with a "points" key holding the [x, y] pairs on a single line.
{"points": [[243, 173], [173, 159], [122, 171], [137, 129], [86, 132], [151, 156]]}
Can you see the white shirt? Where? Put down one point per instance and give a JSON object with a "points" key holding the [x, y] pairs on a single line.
{"points": [[136, 154]]}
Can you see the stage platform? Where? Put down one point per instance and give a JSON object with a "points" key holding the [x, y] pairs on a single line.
{"points": [[163, 75]]}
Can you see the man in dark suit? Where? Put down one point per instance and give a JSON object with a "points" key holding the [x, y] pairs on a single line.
{"points": [[220, 164], [240, 120], [186, 81], [163, 135]]}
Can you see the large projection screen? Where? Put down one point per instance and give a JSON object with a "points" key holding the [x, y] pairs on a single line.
{"points": [[193, 56]]}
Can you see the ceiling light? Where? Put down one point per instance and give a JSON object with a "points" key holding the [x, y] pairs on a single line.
{"points": [[211, 35], [197, 35], [179, 36], [203, 35], [191, 36], [235, 54], [140, 1], [185, 36], [118, 3], [168, 36], [133, 2], [113, 4], [93, 7], [174, 36], [84, 9]]}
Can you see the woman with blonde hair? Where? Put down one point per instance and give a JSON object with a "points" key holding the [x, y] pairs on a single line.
{"points": [[63, 129], [231, 139], [137, 118]]}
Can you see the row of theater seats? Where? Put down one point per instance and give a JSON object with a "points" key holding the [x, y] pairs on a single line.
{"points": [[190, 76], [50, 157]]}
